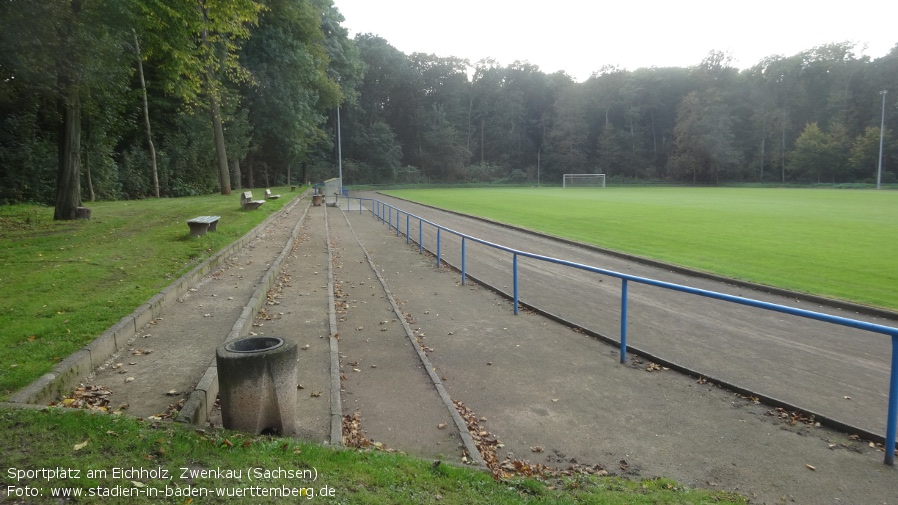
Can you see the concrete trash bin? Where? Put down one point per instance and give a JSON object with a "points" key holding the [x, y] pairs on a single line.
{"points": [[257, 385]]}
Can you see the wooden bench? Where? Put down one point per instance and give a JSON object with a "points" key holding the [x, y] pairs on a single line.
{"points": [[201, 224], [247, 202], [269, 196]]}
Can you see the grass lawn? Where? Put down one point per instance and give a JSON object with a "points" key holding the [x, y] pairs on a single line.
{"points": [[62, 283], [837, 243], [95, 445]]}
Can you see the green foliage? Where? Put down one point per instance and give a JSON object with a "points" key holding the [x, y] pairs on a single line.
{"points": [[279, 69], [812, 155], [865, 152]]}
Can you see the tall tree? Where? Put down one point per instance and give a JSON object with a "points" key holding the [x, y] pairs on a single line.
{"points": [[704, 138], [292, 91], [813, 155], [197, 44], [566, 147], [70, 53]]}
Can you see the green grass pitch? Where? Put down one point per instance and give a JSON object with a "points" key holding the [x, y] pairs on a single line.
{"points": [[833, 242]]}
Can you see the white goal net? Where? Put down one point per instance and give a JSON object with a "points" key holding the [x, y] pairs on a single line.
{"points": [[583, 181]]}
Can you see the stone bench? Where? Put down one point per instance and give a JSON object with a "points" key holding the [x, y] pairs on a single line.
{"points": [[269, 196], [201, 224], [247, 202]]}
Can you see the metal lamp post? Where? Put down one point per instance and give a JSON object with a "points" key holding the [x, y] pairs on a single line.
{"points": [[882, 125], [339, 152]]}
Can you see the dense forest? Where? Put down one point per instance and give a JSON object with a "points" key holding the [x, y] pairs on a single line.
{"points": [[104, 99]]}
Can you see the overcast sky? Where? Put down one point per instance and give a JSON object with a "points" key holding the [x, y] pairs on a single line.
{"points": [[581, 36]]}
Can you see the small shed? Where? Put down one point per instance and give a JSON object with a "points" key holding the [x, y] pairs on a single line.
{"points": [[332, 188]]}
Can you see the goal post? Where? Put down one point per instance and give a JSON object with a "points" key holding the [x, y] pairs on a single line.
{"points": [[583, 181]]}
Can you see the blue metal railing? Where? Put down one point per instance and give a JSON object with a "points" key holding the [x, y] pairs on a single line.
{"points": [[385, 212]]}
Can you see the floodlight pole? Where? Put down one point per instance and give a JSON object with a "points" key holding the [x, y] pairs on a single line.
{"points": [[339, 152], [882, 125]]}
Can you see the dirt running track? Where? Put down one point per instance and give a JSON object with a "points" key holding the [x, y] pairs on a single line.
{"points": [[411, 337]]}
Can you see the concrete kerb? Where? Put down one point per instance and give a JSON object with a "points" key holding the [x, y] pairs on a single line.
{"points": [[470, 446], [200, 401], [336, 438], [765, 399], [65, 375]]}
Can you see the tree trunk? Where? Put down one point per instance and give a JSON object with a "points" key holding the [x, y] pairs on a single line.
{"points": [[218, 131], [224, 177], [146, 116], [762, 160], [235, 172], [68, 183], [90, 183], [249, 171]]}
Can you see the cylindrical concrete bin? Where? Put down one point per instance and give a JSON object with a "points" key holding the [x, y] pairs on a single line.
{"points": [[257, 385]]}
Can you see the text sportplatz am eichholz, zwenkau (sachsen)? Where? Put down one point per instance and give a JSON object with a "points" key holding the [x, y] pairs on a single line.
{"points": [[61, 482]]}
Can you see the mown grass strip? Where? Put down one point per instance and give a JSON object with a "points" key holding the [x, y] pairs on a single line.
{"points": [[835, 243], [64, 283], [102, 443]]}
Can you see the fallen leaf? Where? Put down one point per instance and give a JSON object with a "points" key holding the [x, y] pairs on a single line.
{"points": [[536, 448], [80, 446], [811, 467], [172, 392], [316, 395], [441, 426]]}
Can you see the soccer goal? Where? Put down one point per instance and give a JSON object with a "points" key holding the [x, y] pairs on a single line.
{"points": [[584, 181]]}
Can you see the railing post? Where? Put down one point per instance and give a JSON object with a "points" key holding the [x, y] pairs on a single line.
{"points": [[420, 236], [892, 421], [438, 247], [397, 222], [514, 268], [462, 260], [623, 321], [408, 218]]}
